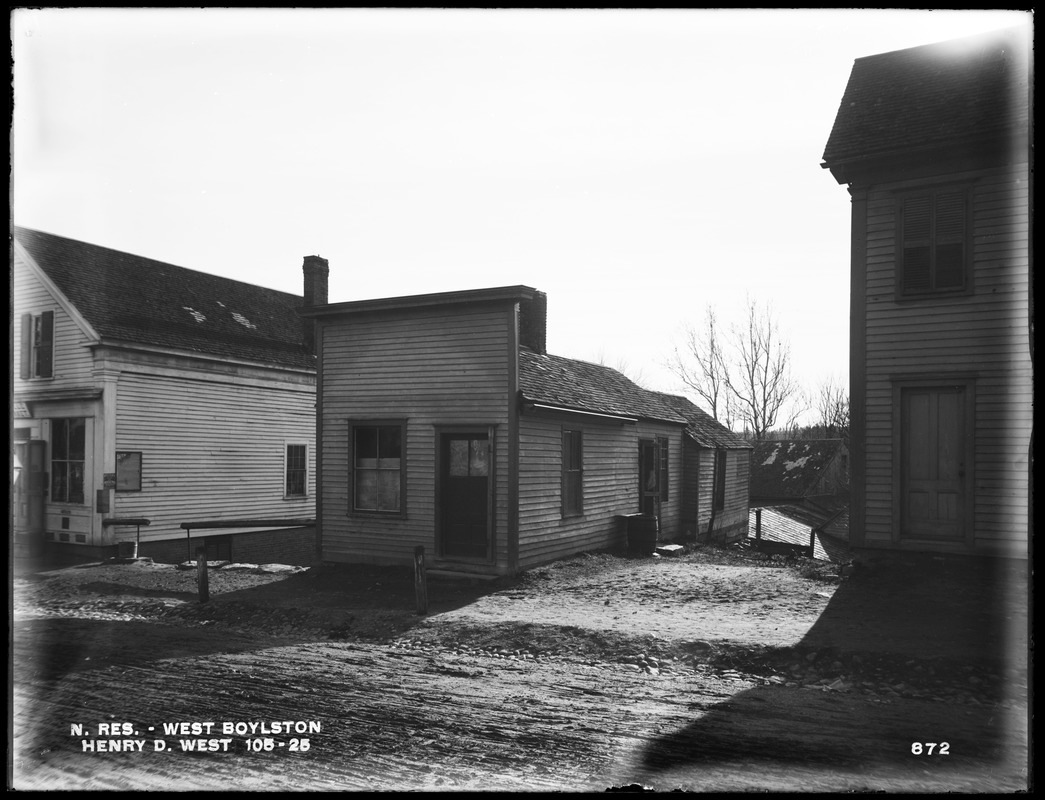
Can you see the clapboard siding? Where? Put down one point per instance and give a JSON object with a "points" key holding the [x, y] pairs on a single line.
{"points": [[72, 359], [731, 520], [983, 336], [611, 478], [211, 450], [435, 367]]}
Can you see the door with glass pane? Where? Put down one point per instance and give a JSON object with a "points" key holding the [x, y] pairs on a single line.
{"points": [[465, 500]]}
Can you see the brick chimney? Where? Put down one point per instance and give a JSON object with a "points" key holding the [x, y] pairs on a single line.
{"points": [[533, 323], [317, 274]]}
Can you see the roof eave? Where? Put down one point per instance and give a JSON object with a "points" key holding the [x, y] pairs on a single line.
{"points": [[929, 158], [132, 346], [411, 302]]}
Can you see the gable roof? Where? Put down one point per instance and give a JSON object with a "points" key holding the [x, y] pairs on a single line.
{"points": [[572, 385], [786, 469], [704, 429], [132, 299], [965, 91]]}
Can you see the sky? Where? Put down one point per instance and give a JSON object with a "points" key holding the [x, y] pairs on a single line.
{"points": [[637, 166]]}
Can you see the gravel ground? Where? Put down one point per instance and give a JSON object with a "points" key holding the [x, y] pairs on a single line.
{"points": [[612, 664]]}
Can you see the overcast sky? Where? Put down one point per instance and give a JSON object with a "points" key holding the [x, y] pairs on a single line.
{"points": [[635, 165]]}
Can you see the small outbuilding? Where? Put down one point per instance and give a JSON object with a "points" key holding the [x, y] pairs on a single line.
{"points": [[444, 423]]}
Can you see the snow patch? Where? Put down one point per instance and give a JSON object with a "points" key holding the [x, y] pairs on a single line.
{"points": [[796, 464], [772, 457], [196, 315], [242, 320]]}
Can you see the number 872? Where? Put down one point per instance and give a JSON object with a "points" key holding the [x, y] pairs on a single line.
{"points": [[931, 748]]}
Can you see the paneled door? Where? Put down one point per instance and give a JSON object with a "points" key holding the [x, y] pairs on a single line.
{"points": [[933, 463]]}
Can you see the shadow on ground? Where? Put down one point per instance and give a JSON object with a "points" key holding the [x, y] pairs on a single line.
{"points": [[923, 613], [321, 604]]}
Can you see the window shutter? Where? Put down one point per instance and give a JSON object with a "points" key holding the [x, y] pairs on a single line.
{"points": [[950, 240], [45, 346], [27, 345], [917, 243], [916, 269], [662, 478]]}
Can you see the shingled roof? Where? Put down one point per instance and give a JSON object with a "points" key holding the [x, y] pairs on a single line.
{"points": [[790, 469], [131, 299], [702, 428], [582, 386], [966, 91]]}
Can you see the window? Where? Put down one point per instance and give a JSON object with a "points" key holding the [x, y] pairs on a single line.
{"points": [[469, 458], [662, 477], [295, 471], [377, 467], [933, 237], [67, 460], [37, 345], [720, 480], [128, 471], [572, 473]]}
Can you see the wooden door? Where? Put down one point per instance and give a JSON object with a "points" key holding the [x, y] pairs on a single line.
{"points": [[933, 455], [30, 494], [31, 486], [465, 496], [649, 477]]}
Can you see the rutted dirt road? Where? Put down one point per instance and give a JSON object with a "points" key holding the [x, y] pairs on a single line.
{"points": [[713, 671]]}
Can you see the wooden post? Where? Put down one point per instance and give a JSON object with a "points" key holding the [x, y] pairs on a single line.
{"points": [[420, 582], [758, 524], [201, 574]]}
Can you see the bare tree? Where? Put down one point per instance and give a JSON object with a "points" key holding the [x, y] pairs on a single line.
{"points": [[701, 367], [745, 379], [759, 377], [832, 408]]}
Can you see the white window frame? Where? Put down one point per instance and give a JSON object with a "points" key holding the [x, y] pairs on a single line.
{"points": [[286, 469]]}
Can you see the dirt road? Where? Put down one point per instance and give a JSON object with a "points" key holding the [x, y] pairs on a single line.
{"points": [[710, 672]]}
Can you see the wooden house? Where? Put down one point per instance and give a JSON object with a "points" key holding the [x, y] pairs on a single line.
{"points": [[147, 391], [933, 145], [443, 423], [718, 465]]}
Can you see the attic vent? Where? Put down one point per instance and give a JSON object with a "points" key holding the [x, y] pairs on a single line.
{"points": [[196, 315], [242, 320]]}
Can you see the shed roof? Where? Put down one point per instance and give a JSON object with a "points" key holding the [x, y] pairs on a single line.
{"points": [[786, 469], [570, 384], [793, 525], [970, 90], [129, 298]]}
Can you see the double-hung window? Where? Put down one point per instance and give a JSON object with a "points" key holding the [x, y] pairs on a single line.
{"points": [[377, 466], [933, 249], [37, 345], [572, 472], [295, 471], [68, 448]]}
